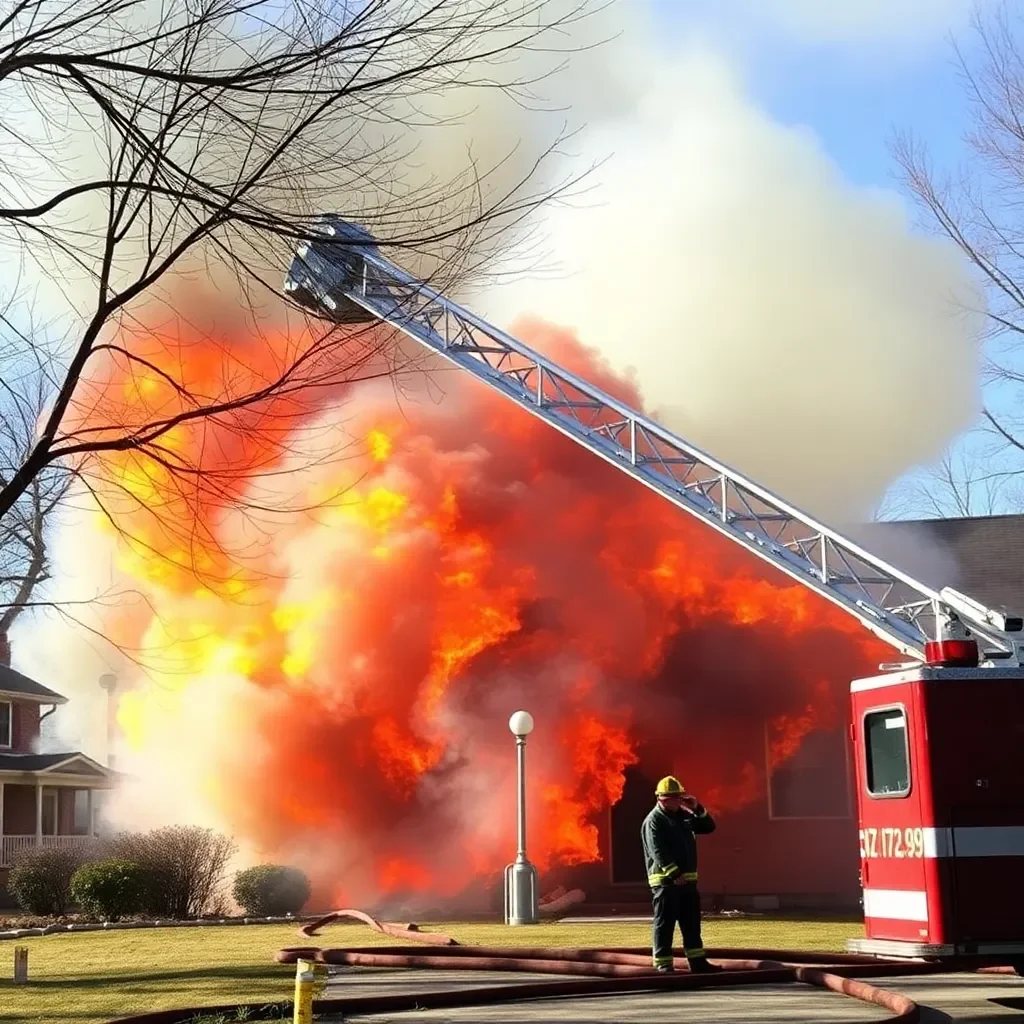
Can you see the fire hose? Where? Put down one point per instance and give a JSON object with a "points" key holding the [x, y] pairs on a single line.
{"points": [[595, 971]]}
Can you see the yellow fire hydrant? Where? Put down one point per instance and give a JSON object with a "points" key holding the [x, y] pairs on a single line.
{"points": [[305, 981]]}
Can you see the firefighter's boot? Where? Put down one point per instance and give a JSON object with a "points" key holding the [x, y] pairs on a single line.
{"points": [[699, 965]]}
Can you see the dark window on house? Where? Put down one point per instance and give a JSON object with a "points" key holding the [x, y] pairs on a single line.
{"points": [[813, 781], [887, 752], [81, 821], [49, 812], [6, 723], [627, 854]]}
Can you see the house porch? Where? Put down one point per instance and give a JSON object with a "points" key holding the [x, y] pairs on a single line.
{"points": [[44, 811]]}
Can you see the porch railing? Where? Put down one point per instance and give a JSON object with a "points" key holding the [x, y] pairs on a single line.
{"points": [[11, 846]]}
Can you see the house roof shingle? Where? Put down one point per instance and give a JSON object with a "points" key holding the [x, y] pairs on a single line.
{"points": [[982, 556], [42, 762], [14, 684]]}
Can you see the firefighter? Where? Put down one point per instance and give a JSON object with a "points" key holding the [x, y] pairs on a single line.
{"points": [[670, 851]]}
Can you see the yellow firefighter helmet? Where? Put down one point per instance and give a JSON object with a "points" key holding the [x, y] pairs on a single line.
{"points": [[669, 786]]}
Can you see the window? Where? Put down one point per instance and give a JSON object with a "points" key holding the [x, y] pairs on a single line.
{"points": [[810, 782], [627, 856], [887, 753], [49, 812], [6, 723], [81, 815]]}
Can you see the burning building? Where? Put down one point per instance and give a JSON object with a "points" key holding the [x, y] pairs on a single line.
{"points": [[329, 678], [793, 842], [331, 653]]}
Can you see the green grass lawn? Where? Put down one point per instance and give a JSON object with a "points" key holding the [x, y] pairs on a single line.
{"points": [[94, 976]]}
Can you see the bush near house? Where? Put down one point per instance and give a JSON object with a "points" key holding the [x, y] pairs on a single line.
{"points": [[40, 879], [173, 873], [109, 889], [271, 890], [183, 867]]}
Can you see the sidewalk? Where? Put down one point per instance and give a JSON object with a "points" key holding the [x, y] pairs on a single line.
{"points": [[961, 998]]}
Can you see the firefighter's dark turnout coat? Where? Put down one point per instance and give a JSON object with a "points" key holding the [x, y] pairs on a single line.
{"points": [[670, 848], [670, 853]]}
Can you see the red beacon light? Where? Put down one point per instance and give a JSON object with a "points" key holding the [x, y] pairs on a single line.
{"points": [[956, 648]]}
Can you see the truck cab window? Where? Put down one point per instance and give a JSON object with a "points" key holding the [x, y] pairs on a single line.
{"points": [[887, 753]]}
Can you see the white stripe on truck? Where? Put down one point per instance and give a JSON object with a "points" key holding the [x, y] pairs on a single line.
{"points": [[981, 841], [896, 904]]}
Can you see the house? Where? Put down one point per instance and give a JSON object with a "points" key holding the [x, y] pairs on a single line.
{"points": [[45, 799], [796, 845]]}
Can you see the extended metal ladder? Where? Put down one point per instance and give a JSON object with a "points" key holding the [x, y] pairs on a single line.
{"points": [[343, 276]]}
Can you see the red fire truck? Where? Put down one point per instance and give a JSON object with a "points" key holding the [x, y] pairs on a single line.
{"points": [[939, 755], [938, 739]]}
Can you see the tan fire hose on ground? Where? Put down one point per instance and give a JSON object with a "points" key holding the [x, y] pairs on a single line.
{"points": [[594, 971]]}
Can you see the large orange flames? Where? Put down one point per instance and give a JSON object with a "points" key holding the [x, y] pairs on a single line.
{"points": [[446, 563]]}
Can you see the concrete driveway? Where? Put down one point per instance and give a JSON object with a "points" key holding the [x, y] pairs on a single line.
{"points": [[963, 998]]}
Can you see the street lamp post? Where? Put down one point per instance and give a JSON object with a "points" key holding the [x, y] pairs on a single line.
{"points": [[521, 876]]}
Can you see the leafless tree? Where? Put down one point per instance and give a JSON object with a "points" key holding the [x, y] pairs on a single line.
{"points": [[980, 210], [894, 504], [151, 150], [24, 531], [964, 483]]}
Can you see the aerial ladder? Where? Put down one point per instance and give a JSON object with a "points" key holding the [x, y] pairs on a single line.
{"points": [[940, 770]]}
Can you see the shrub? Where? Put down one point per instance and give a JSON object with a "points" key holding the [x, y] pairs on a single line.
{"points": [[40, 879], [110, 889], [183, 868], [271, 890]]}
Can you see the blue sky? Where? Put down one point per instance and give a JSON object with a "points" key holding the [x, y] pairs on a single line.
{"points": [[854, 72], [853, 93]]}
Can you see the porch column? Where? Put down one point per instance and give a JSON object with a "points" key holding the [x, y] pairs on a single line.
{"points": [[39, 814], [90, 811], [1, 809]]}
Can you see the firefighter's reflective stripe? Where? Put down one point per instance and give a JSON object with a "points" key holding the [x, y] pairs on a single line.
{"points": [[696, 952], [689, 876], [663, 961], [658, 877]]}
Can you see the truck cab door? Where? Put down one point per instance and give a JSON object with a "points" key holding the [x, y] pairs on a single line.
{"points": [[889, 810]]}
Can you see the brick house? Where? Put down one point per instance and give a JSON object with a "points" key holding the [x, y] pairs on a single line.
{"points": [[796, 846], [45, 799]]}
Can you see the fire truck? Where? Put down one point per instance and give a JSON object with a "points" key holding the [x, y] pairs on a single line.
{"points": [[938, 737]]}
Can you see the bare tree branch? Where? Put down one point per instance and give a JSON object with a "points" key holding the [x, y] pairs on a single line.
{"points": [[24, 554], [158, 165], [980, 210]]}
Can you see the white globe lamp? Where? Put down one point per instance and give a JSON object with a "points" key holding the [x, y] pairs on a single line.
{"points": [[521, 723]]}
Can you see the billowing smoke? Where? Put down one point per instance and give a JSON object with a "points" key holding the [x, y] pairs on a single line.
{"points": [[776, 316]]}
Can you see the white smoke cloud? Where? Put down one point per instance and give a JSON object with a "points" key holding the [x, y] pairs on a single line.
{"points": [[787, 322], [64, 648]]}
